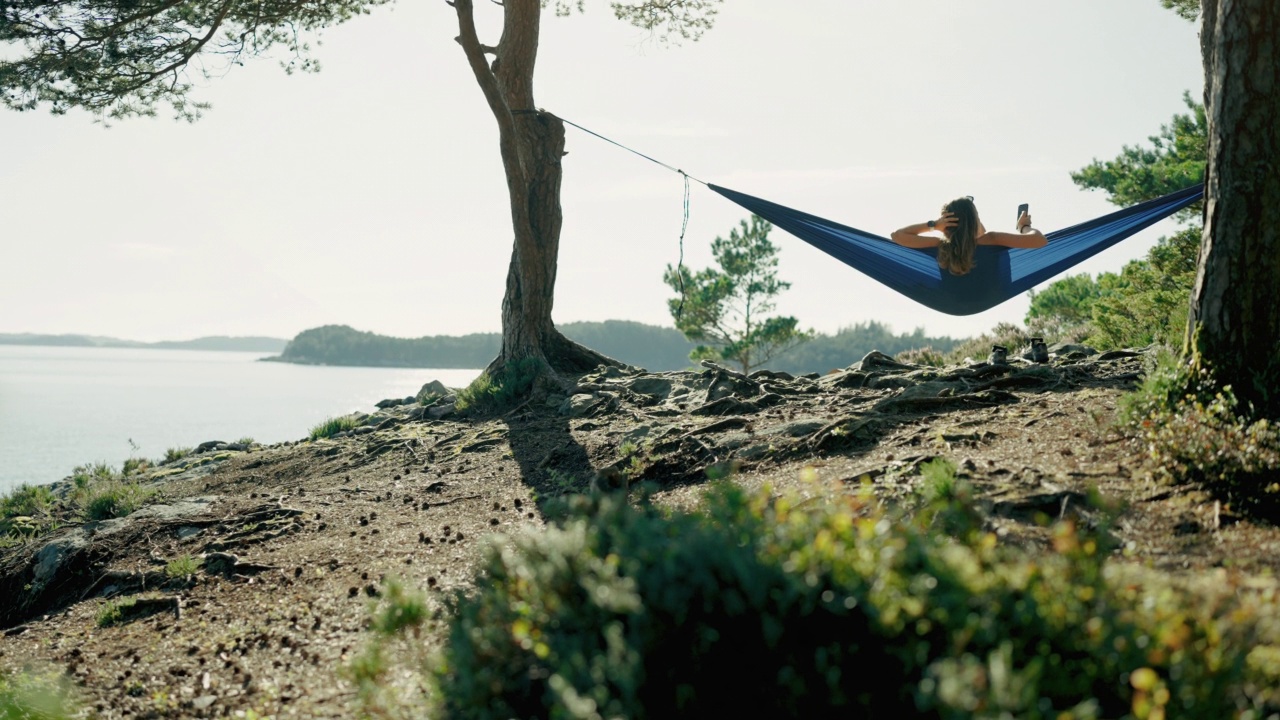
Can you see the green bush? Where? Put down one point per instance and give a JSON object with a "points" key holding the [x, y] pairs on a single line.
{"points": [[1196, 432], [333, 426], [114, 499], [27, 500], [1063, 311], [772, 607], [35, 696], [494, 393], [174, 454]]}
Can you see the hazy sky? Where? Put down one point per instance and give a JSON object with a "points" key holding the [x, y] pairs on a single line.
{"points": [[371, 194]]}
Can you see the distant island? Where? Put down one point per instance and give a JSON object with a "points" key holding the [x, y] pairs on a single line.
{"points": [[216, 342], [651, 347]]}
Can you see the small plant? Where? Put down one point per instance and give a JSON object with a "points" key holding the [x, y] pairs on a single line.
{"points": [[563, 483], [246, 440], [134, 465], [333, 426], [26, 500], [183, 567], [494, 393], [35, 696], [114, 499], [395, 623], [174, 454], [399, 611], [113, 611]]}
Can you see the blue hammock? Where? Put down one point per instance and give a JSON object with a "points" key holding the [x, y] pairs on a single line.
{"points": [[999, 273]]}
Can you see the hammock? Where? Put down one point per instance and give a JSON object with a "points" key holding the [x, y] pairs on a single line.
{"points": [[999, 273]]}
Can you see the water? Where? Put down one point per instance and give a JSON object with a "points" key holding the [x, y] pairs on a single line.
{"points": [[62, 407]]}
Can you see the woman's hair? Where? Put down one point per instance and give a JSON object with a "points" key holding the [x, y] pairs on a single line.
{"points": [[955, 254]]}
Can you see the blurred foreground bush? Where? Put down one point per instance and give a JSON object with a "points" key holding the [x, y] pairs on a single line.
{"points": [[781, 607]]}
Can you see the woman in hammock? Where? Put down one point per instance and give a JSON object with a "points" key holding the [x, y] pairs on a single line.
{"points": [[961, 233]]}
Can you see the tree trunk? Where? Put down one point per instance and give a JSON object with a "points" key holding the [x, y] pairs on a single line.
{"points": [[1234, 326], [532, 145]]}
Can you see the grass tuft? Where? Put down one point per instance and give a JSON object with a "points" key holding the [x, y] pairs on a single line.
{"points": [[114, 499], [27, 500], [182, 567], [333, 426], [497, 392], [113, 611]]}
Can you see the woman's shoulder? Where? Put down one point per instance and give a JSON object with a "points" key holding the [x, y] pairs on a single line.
{"points": [[1012, 240]]}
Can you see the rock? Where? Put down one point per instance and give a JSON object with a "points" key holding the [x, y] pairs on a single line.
{"points": [[209, 445], [580, 405], [849, 379], [50, 559], [433, 389], [435, 412], [728, 405], [238, 447], [798, 428], [219, 563], [1072, 351], [654, 386], [363, 430], [1118, 354], [203, 702], [877, 362], [393, 402], [771, 375]]}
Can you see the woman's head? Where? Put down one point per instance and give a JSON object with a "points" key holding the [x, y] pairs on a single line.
{"points": [[955, 254]]}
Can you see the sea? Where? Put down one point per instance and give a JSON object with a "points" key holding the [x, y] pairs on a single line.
{"points": [[61, 407]]}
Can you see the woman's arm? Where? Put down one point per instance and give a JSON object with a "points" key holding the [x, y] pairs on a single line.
{"points": [[910, 236], [1027, 237]]}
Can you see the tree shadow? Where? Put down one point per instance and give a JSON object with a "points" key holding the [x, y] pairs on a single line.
{"points": [[552, 462]]}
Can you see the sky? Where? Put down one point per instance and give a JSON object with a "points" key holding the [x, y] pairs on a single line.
{"points": [[371, 193]]}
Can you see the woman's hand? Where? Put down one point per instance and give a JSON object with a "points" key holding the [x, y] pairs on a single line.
{"points": [[1024, 222], [946, 222]]}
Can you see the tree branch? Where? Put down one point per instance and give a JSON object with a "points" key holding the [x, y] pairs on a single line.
{"points": [[488, 82]]}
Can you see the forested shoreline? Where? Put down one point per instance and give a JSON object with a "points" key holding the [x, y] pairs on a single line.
{"points": [[648, 346]]}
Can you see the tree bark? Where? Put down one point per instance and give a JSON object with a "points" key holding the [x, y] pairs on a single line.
{"points": [[532, 145], [1234, 325]]}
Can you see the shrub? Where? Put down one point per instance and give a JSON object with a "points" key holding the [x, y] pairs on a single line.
{"points": [[501, 390], [780, 608], [27, 500], [1062, 311], [133, 466], [922, 356], [114, 499], [1006, 334], [1196, 432], [35, 696], [333, 426], [174, 454]]}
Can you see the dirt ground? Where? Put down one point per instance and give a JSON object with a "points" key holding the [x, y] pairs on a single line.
{"points": [[299, 539]]}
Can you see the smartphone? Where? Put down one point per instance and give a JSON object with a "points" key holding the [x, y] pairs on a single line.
{"points": [[1024, 207]]}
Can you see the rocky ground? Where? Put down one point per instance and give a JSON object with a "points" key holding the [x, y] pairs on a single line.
{"points": [[298, 539]]}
